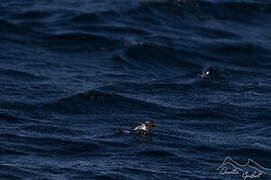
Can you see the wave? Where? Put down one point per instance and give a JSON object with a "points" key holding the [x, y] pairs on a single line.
{"points": [[7, 117], [6, 25], [7, 172], [156, 154], [120, 31], [96, 102], [152, 55], [79, 42], [39, 129], [251, 152], [43, 145], [240, 49], [32, 15], [92, 17], [20, 75], [113, 176]]}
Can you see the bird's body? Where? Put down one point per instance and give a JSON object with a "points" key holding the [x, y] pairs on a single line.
{"points": [[144, 126], [141, 129], [205, 74], [211, 73]]}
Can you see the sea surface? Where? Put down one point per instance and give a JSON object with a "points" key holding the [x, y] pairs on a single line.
{"points": [[76, 75]]}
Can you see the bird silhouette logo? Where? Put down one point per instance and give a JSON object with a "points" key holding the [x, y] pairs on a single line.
{"points": [[250, 170]]}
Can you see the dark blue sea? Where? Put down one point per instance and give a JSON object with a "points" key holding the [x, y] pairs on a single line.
{"points": [[76, 75]]}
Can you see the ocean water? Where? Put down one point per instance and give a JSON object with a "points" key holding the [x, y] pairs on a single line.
{"points": [[74, 74]]}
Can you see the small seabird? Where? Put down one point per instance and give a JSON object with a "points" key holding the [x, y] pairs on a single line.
{"points": [[205, 74], [144, 126], [210, 72]]}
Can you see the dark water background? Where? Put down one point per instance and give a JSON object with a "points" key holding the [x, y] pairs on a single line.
{"points": [[74, 73]]}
